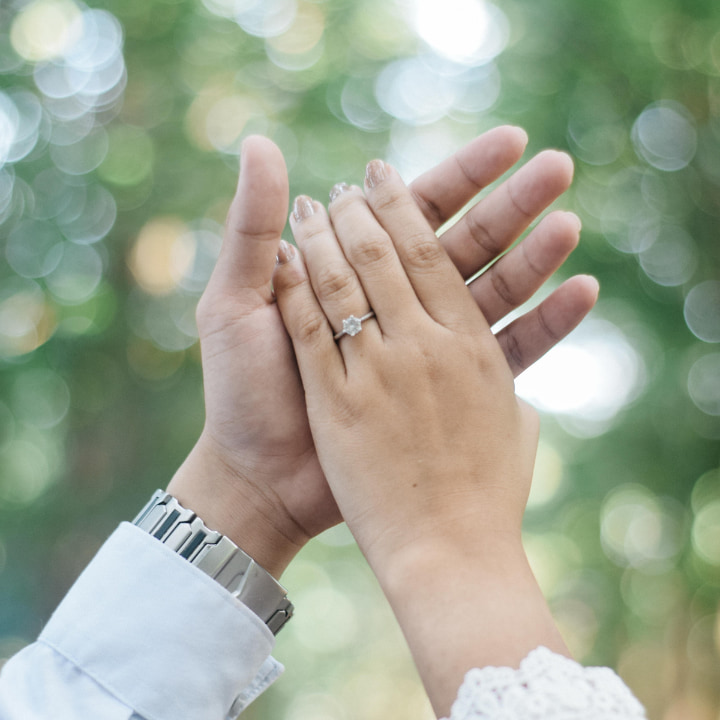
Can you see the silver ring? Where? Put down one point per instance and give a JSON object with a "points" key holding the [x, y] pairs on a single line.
{"points": [[353, 325]]}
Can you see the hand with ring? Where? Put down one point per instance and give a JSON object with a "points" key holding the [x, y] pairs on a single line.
{"points": [[254, 473], [423, 442]]}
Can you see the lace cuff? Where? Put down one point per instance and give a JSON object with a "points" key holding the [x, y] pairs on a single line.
{"points": [[546, 687]]}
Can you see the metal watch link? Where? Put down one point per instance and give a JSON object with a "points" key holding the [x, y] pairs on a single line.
{"points": [[219, 557]]}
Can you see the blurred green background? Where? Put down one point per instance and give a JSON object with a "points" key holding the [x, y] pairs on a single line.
{"points": [[120, 125]]}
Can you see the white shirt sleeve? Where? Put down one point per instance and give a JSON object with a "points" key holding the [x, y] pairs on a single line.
{"points": [[545, 687], [142, 635]]}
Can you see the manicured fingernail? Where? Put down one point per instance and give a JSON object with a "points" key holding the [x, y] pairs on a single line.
{"points": [[303, 208], [374, 173], [286, 252], [338, 189]]}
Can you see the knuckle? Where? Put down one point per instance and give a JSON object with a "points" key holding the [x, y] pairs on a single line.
{"points": [[501, 286], [429, 209], [546, 326], [388, 202], [288, 278], [331, 283], [423, 251], [481, 234], [372, 250], [514, 353], [310, 329], [517, 204], [310, 230], [238, 226], [531, 262]]}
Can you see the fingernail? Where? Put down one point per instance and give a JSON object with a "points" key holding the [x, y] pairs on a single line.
{"points": [[524, 133], [594, 281], [576, 219], [286, 252], [338, 189], [374, 173], [303, 208], [240, 167]]}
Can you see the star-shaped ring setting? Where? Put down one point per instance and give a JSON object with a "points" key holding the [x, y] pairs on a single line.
{"points": [[352, 325]]}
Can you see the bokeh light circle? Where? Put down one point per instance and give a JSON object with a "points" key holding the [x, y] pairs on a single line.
{"points": [[21, 115], [9, 121], [45, 29], [95, 218], [262, 18], [26, 321], [596, 131], [706, 533], [672, 258], [469, 32], [702, 311], [628, 223], [31, 466], [41, 398], [410, 91], [664, 135], [638, 529], [77, 275], [83, 156], [704, 383], [588, 377], [34, 248]]}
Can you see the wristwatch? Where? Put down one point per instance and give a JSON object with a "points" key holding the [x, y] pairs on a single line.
{"points": [[219, 557]]}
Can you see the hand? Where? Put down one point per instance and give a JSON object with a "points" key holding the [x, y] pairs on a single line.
{"points": [[492, 225], [427, 450], [254, 473], [415, 420]]}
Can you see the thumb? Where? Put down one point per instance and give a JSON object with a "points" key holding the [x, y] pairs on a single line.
{"points": [[256, 218]]}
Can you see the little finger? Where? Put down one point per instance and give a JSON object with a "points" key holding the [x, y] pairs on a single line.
{"points": [[318, 357], [529, 337]]}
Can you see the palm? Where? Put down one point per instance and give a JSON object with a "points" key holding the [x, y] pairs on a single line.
{"points": [[256, 409]]}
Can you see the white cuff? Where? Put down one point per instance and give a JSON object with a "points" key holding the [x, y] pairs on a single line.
{"points": [[160, 635]]}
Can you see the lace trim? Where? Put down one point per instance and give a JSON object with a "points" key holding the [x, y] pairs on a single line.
{"points": [[546, 687]]}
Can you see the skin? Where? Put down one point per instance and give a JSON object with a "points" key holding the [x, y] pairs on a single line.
{"points": [[427, 450], [254, 473]]}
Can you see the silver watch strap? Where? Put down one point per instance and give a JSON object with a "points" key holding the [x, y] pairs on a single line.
{"points": [[185, 533]]}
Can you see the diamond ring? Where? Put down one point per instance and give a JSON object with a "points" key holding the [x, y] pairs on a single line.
{"points": [[353, 325]]}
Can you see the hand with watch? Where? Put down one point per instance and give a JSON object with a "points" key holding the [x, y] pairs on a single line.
{"points": [[254, 474], [183, 532]]}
